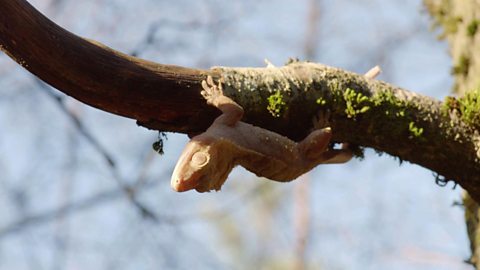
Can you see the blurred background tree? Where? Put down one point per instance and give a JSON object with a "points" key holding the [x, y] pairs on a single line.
{"points": [[459, 22]]}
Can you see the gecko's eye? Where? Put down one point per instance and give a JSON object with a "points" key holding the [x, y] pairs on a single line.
{"points": [[200, 159]]}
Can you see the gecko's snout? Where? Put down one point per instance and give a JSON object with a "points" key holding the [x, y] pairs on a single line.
{"points": [[181, 185]]}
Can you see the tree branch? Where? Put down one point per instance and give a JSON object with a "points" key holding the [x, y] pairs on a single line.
{"points": [[441, 137], [158, 96]]}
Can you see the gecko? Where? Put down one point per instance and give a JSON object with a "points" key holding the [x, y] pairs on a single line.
{"points": [[209, 157]]}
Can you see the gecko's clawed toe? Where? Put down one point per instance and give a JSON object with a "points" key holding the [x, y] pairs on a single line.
{"points": [[210, 80], [205, 85]]}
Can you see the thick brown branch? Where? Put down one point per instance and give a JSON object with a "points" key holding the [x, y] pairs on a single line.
{"points": [[158, 96]]}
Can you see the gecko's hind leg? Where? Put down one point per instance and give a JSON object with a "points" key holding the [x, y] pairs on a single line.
{"points": [[313, 146]]}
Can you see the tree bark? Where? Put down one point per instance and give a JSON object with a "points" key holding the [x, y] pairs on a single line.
{"points": [[459, 22], [363, 112]]}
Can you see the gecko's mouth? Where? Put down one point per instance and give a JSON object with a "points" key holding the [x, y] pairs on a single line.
{"points": [[201, 186], [181, 185]]}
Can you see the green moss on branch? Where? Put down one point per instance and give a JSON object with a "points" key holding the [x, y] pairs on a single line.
{"points": [[363, 112]]}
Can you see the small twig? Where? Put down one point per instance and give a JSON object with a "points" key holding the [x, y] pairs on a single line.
{"points": [[301, 220]]}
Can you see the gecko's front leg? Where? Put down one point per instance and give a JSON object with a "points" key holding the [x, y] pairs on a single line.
{"points": [[213, 94], [209, 157]]}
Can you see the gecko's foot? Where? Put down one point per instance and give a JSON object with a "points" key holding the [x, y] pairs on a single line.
{"points": [[335, 156], [321, 122], [211, 91]]}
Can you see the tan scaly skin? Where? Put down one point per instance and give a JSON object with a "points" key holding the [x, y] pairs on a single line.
{"points": [[209, 157]]}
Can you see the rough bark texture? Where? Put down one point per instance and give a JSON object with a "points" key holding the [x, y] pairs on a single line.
{"points": [[364, 112], [440, 136], [459, 22]]}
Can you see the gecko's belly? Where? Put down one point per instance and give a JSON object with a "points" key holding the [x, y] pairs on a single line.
{"points": [[265, 153], [272, 168]]}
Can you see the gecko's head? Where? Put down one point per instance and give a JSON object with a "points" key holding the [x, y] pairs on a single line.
{"points": [[199, 168]]}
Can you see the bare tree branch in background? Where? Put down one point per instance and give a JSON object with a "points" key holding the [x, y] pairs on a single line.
{"points": [[18, 199], [61, 242], [301, 220], [312, 30], [150, 36], [129, 191], [72, 208]]}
